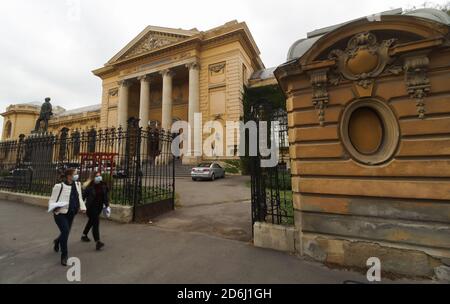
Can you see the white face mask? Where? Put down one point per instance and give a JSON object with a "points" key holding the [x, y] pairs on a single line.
{"points": [[76, 177], [98, 179]]}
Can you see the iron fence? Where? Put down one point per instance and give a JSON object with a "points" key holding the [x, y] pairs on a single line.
{"points": [[136, 163]]}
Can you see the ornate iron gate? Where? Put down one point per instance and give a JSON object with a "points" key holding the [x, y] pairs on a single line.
{"points": [[271, 186]]}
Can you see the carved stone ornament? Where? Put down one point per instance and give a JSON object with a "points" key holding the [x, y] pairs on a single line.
{"points": [[364, 59], [217, 68], [113, 92], [319, 82], [152, 41], [417, 82], [193, 66]]}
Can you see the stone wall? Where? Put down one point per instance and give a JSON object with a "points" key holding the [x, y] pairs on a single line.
{"points": [[119, 213], [392, 202]]}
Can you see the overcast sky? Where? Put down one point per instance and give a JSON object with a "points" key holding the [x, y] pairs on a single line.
{"points": [[49, 47]]}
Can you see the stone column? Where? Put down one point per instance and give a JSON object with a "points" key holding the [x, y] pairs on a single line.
{"points": [[144, 109], [144, 103], [122, 105], [166, 121], [194, 107]]}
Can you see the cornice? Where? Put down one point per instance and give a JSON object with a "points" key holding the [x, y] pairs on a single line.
{"points": [[20, 111], [164, 50], [75, 118], [200, 40]]}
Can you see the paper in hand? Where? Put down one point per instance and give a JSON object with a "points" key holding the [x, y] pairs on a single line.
{"points": [[53, 206]]}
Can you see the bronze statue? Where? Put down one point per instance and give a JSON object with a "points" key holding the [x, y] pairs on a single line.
{"points": [[44, 116]]}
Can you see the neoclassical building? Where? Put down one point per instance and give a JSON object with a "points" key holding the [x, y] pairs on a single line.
{"points": [[21, 119], [164, 75]]}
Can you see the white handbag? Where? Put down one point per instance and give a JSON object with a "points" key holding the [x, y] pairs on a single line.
{"points": [[107, 212]]}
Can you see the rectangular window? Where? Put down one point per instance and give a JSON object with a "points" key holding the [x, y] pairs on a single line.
{"points": [[217, 101]]}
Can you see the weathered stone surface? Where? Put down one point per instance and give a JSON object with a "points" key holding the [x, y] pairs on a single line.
{"points": [[395, 231], [442, 273], [298, 233], [281, 238], [429, 211], [312, 249], [35, 200], [121, 214], [394, 260], [356, 253]]}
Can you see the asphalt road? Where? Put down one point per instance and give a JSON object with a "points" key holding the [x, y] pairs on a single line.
{"points": [[221, 208], [144, 254]]}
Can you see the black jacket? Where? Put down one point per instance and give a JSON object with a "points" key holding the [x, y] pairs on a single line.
{"points": [[89, 195]]}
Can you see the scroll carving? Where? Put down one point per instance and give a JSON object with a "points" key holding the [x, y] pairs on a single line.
{"points": [[364, 59], [319, 82], [417, 81]]}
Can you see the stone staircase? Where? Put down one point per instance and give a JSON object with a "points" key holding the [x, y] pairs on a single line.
{"points": [[182, 170]]}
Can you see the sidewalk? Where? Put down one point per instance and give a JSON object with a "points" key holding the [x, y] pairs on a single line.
{"points": [[143, 254]]}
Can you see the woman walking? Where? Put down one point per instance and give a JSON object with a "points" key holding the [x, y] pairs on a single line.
{"points": [[69, 192], [96, 195]]}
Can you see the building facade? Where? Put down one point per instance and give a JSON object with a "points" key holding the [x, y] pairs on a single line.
{"points": [[166, 75], [162, 76], [369, 106]]}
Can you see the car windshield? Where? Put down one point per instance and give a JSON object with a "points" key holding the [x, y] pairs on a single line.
{"points": [[204, 165]]}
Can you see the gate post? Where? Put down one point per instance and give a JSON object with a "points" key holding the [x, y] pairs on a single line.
{"points": [[19, 149], [173, 172], [134, 130]]}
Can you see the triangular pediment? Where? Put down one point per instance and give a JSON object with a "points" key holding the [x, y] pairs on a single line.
{"points": [[152, 39]]}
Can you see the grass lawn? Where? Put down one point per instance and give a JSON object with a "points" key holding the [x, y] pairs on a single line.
{"points": [[119, 195], [286, 204]]}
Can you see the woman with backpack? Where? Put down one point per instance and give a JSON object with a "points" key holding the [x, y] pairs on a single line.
{"points": [[67, 193]]}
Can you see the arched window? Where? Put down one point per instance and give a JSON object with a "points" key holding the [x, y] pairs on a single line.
{"points": [[8, 130]]}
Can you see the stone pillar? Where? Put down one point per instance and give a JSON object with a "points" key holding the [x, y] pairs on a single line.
{"points": [[144, 104], [194, 107], [122, 105], [166, 121], [144, 109]]}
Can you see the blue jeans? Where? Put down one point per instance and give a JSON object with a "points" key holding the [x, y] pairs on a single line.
{"points": [[64, 223]]}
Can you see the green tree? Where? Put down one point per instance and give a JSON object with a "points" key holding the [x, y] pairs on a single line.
{"points": [[253, 96]]}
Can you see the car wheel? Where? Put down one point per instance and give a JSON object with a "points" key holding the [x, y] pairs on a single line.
{"points": [[194, 179], [213, 177]]}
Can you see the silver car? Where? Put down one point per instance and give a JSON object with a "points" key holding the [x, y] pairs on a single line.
{"points": [[210, 171]]}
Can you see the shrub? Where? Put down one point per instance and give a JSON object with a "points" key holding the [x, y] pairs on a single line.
{"points": [[231, 170], [4, 173], [232, 166]]}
